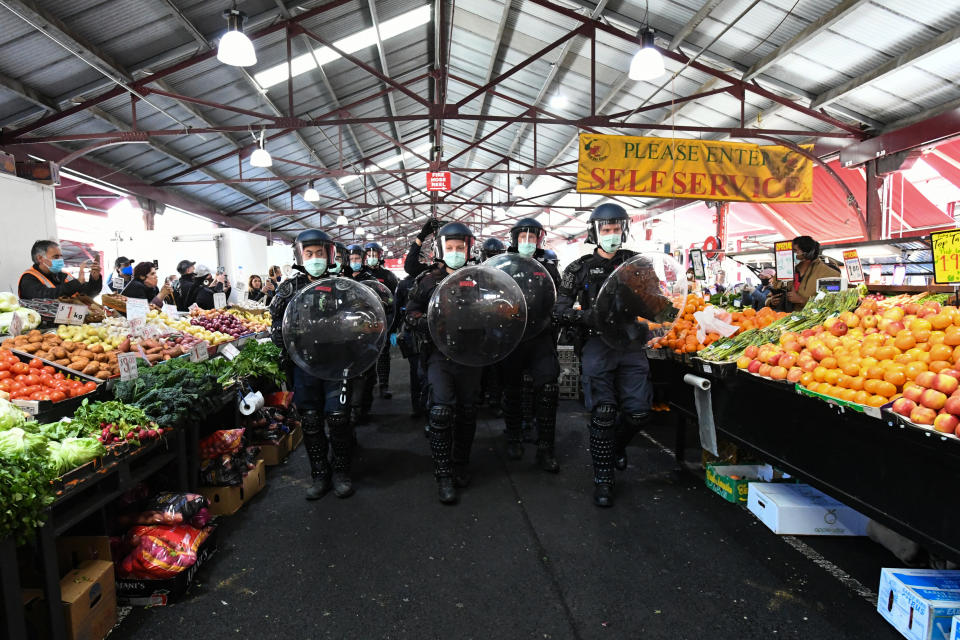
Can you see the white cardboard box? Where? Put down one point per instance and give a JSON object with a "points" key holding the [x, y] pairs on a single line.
{"points": [[799, 509], [920, 603]]}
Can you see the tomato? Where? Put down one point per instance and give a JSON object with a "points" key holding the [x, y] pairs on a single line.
{"points": [[5, 385], [16, 386], [57, 396], [36, 363], [4, 365], [58, 375], [32, 389], [16, 395], [90, 387], [49, 369], [31, 380], [5, 374], [20, 367], [19, 378]]}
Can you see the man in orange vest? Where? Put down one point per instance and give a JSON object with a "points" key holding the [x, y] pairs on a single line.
{"points": [[47, 279]]}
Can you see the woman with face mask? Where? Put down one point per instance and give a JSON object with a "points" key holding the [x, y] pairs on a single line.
{"points": [[454, 388], [46, 278], [316, 399], [144, 285], [207, 285]]}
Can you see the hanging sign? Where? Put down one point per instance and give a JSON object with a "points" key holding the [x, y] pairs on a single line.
{"points": [[697, 169], [946, 256], [438, 181], [854, 269], [696, 261], [784, 254], [171, 311]]}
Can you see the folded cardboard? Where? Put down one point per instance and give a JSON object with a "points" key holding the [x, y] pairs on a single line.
{"points": [[799, 509], [71, 552], [296, 437], [146, 593], [920, 603], [8, 163], [274, 454], [225, 501]]}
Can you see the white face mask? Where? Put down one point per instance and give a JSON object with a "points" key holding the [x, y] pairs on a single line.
{"points": [[455, 259], [611, 243]]}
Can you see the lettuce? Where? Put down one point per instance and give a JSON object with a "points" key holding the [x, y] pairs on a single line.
{"points": [[72, 452], [16, 444], [10, 415], [8, 301]]}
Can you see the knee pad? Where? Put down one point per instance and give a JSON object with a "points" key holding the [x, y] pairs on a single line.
{"points": [[338, 420], [604, 415], [312, 422], [441, 416], [635, 419], [549, 394]]}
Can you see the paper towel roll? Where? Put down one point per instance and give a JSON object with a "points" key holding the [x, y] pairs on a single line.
{"points": [[251, 403]]}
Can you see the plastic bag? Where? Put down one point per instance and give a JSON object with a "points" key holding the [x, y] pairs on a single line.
{"points": [[161, 552], [713, 320], [223, 442], [172, 508], [223, 471]]}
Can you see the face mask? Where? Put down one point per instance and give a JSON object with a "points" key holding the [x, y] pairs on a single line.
{"points": [[279, 277], [610, 243], [56, 266], [315, 267], [356, 266], [127, 271], [455, 259], [527, 248], [373, 262], [336, 267]]}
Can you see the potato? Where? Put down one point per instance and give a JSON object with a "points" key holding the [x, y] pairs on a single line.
{"points": [[35, 339], [41, 354], [95, 348], [84, 353], [70, 346], [63, 362], [58, 352], [31, 347], [102, 357], [154, 357], [103, 375], [154, 350], [21, 340], [8, 343], [91, 368], [79, 363]]}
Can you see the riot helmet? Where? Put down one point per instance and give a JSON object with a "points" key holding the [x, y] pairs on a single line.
{"points": [[608, 214], [531, 230], [491, 247], [454, 231]]}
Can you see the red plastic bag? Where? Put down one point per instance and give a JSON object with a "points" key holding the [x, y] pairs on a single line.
{"points": [[161, 552], [172, 508], [220, 443]]}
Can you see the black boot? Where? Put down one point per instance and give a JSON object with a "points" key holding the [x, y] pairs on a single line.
{"points": [[341, 440], [512, 398], [527, 409], [464, 431], [628, 427], [441, 444], [602, 444], [316, 443], [545, 415]]}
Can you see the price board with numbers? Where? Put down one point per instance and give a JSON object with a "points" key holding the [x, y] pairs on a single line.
{"points": [[946, 256], [136, 308], [127, 363], [71, 313], [16, 325], [219, 300], [784, 259], [696, 261], [852, 263], [199, 352]]}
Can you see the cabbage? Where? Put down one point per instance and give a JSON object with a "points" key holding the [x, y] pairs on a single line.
{"points": [[16, 443], [8, 301], [31, 319], [10, 415], [72, 453]]}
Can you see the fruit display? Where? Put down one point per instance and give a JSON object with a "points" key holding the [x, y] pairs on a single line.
{"points": [[227, 322], [257, 319], [684, 335], [91, 359]]}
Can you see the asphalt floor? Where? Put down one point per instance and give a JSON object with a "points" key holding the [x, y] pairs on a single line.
{"points": [[525, 554]]}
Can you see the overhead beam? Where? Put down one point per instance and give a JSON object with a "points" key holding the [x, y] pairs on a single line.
{"points": [[28, 93], [692, 24]]}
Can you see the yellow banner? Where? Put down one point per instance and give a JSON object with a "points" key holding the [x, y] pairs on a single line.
{"points": [[697, 169]]}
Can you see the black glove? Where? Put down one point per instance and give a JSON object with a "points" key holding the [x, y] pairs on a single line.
{"points": [[569, 316], [430, 227]]}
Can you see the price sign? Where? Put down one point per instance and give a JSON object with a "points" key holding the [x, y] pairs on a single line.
{"points": [[876, 274], [199, 352], [738, 303], [136, 308], [784, 254], [193, 307], [854, 269], [696, 261], [71, 313], [16, 324], [900, 274], [30, 406], [136, 326], [229, 351], [127, 362], [219, 300], [946, 256], [171, 310]]}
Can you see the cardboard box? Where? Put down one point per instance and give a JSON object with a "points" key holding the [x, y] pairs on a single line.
{"points": [[799, 509], [732, 482], [296, 437], [146, 593], [39, 171], [8, 163], [274, 454], [72, 551], [226, 501], [920, 603], [89, 600]]}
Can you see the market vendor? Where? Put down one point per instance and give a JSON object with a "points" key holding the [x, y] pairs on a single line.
{"points": [[808, 269], [47, 279], [144, 285]]}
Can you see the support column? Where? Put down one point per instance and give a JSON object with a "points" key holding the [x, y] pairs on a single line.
{"points": [[874, 209]]}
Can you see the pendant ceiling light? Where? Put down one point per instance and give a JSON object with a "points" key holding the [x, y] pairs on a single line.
{"points": [[311, 194], [235, 47], [519, 190], [558, 100], [647, 64], [260, 156], [341, 221]]}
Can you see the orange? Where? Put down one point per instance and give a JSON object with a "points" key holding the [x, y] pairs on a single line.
{"points": [[875, 373], [904, 358], [917, 354], [861, 397], [914, 369], [953, 336], [870, 386], [851, 368], [820, 374], [940, 352], [941, 321], [856, 383], [886, 353], [812, 385], [955, 358], [869, 362], [885, 389], [823, 388], [829, 362], [905, 340], [843, 381], [938, 365], [807, 378], [848, 394], [869, 349], [937, 337], [895, 377], [919, 325], [876, 401], [832, 376]]}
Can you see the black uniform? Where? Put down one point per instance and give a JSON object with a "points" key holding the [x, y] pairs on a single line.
{"points": [[386, 277], [315, 398], [453, 389], [412, 264], [409, 347], [536, 356], [613, 379], [185, 291]]}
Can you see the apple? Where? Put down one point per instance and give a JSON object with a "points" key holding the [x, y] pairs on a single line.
{"points": [[754, 366], [951, 372], [952, 405], [933, 399], [808, 365], [933, 306], [946, 423], [778, 373], [904, 406], [923, 415], [792, 346], [926, 379], [911, 308], [774, 359], [836, 326], [808, 333], [913, 392], [820, 351], [751, 351], [894, 327], [869, 321], [794, 374], [926, 312], [765, 368], [789, 360], [946, 384], [743, 362]]}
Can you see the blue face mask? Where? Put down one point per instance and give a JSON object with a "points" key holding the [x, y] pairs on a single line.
{"points": [[373, 262], [315, 267], [526, 248], [127, 270], [56, 266], [356, 266], [455, 259], [335, 268], [611, 243]]}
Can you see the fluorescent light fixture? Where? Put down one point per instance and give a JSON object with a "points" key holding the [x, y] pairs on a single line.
{"points": [[341, 221], [311, 194], [235, 48], [647, 64], [261, 158], [369, 236], [558, 101], [359, 232], [351, 44]]}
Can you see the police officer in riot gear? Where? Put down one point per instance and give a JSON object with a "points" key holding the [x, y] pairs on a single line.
{"points": [[618, 380], [313, 252], [413, 264], [491, 247], [354, 260], [550, 257], [453, 387], [536, 356], [373, 265], [341, 262]]}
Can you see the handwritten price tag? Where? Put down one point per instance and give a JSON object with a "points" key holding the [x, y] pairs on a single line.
{"points": [[136, 308], [171, 310], [193, 307], [784, 260], [229, 351], [946, 256], [219, 300], [127, 362], [136, 326], [854, 268], [71, 314], [16, 324], [199, 352]]}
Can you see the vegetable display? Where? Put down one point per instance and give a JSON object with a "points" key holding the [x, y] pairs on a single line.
{"points": [[114, 421], [172, 392], [25, 485], [36, 381], [684, 336], [93, 359], [255, 360]]}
